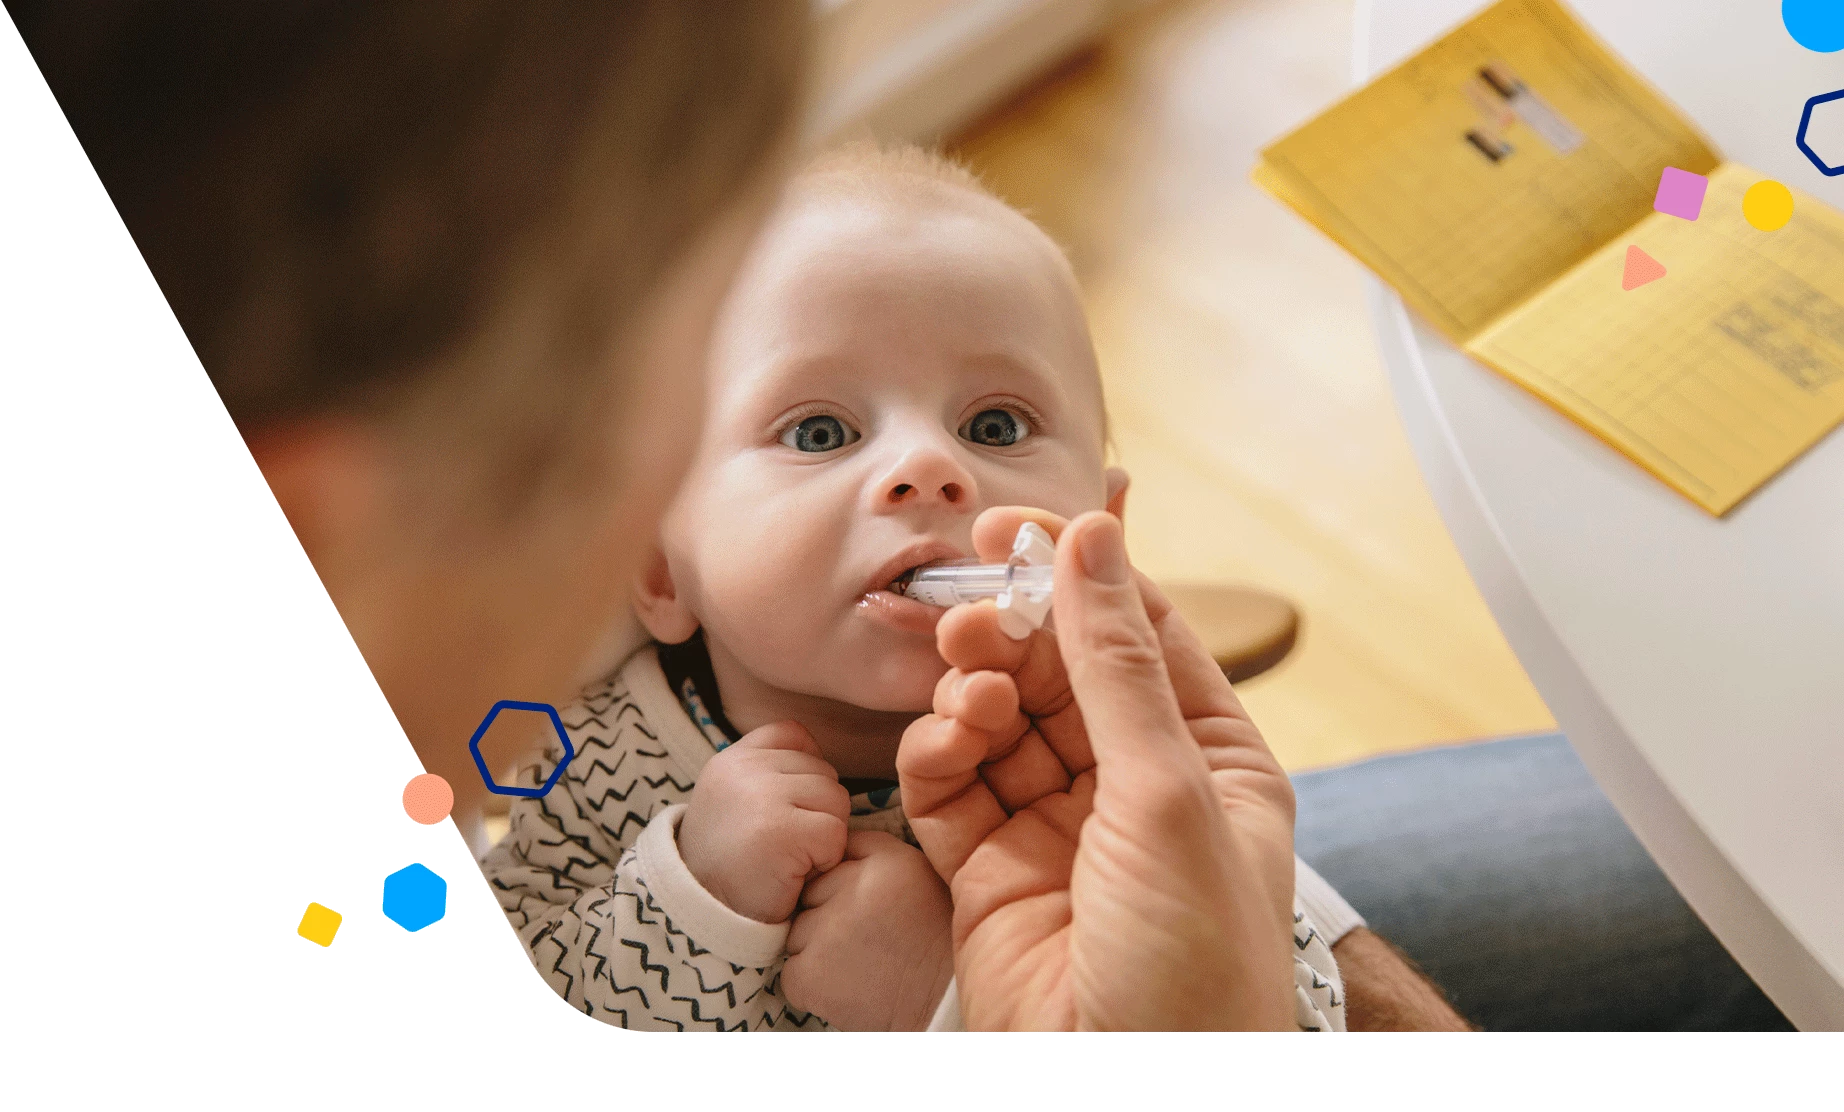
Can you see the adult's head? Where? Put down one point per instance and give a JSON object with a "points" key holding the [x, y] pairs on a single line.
{"points": [[451, 268]]}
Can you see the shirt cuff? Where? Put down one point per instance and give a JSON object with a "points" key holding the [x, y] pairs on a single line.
{"points": [[1323, 905], [703, 917], [947, 1013]]}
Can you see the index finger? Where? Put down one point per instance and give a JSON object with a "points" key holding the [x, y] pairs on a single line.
{"points": [[1197, 680], [995, 528]]}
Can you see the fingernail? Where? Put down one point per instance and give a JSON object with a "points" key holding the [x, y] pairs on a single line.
{"points": [[1104, 552]]}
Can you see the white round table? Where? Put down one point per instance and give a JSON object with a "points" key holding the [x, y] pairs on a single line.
{"points": [[1696, 664]]}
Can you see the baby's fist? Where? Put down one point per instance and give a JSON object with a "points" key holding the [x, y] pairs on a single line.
{"points": [[871, 950], [766, 814]]}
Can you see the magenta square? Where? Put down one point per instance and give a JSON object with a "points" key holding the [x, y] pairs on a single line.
{"points": [[1680, 193]]}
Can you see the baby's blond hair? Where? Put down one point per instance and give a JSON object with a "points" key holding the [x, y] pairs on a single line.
{"points": [[895, 167], [901, 171]]}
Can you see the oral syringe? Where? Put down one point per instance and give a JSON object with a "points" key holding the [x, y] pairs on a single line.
{"points": [[1020, 586]]}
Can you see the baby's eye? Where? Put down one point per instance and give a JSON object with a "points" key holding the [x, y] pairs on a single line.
{"points": [[995, 428], [821, 432]]}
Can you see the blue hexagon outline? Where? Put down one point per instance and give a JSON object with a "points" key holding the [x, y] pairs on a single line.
{"points": [[1805, 121], [569, 751], [414, 873]]}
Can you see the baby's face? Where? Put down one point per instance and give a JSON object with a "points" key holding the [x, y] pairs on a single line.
{"points": [[886, 370]]}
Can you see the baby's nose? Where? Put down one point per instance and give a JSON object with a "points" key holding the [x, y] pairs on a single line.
{"points": [[927, 476], [950, 493]]}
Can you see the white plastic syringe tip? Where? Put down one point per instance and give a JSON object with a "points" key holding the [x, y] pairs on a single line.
{"points": [[1022, 610], [1033, 546]]}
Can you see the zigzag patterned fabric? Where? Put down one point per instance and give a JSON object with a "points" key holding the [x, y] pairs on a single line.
{"points": [[590, 878], [1318, 991]]}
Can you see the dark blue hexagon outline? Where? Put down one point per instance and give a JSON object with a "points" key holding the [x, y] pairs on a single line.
{"points": [[1805, 121], [473, 746]]}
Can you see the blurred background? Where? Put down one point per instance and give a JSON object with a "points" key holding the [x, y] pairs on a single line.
{"points": [[1246, 395]]}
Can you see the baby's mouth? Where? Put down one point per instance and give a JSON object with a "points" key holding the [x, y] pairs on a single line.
{"points": [[886, 598], [899, 573], [900, 585]]}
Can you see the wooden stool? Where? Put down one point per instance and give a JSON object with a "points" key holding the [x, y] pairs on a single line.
{"points": [[1246, 631]]}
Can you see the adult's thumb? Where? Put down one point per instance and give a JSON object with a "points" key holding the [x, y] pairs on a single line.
{"points": [[1112, 654]]}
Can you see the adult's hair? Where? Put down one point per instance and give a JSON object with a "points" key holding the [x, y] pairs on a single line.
{"points": [[351, 205]]}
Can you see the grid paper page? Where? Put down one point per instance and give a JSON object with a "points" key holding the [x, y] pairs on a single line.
{"points": [[1391, 174], [1713, 377]]}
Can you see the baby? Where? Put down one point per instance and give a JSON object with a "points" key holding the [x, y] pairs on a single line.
{"points": [[727, 849]]}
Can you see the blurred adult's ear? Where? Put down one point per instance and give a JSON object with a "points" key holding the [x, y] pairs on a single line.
{"points": [[658, 604], [1117, 492]]}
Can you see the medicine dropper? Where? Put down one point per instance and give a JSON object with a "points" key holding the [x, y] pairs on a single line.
{"points": [[1021, 585]]}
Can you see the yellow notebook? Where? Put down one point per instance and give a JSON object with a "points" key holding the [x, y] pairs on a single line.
{"points": [[1498, 181]]}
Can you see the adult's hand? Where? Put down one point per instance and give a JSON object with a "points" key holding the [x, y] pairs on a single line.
{"points": [[1116, 836]]}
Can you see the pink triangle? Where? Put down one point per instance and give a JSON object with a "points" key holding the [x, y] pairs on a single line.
{"points": [[1640, 269]]}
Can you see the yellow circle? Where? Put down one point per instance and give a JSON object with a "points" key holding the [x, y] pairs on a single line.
{"points": [[1767, 205]]}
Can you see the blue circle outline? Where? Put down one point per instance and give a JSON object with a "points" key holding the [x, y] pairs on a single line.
{"points": [[569, 751], [1805, 121]]}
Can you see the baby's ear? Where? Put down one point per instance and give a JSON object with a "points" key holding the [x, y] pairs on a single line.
{"points": [[658, 604], [1117, 492]]}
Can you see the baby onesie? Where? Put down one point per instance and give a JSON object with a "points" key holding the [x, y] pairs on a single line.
{"points": [[591, 878]]}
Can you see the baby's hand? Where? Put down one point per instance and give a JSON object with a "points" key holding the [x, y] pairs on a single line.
{"points": [[870, 950], [766, 814]]}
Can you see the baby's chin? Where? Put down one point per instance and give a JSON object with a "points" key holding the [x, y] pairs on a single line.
{"points": [[901, 681]]}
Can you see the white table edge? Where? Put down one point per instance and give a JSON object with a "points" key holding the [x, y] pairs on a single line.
{"points": [[1789, 974], [1734, 912]]}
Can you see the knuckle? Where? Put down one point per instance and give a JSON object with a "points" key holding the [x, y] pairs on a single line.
{"points": [[771, 824], [921, 743], [812, 765], [821, 836], [792, 735], [775, 735], [945, 687], [1119, 644], [727, 773]]}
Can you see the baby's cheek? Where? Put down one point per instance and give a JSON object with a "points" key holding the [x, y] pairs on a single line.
{"points": [[769, 570], [1059, 482], [761, 606]]}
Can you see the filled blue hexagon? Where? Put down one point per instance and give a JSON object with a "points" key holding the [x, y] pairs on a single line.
{"points": [[414, 897]]}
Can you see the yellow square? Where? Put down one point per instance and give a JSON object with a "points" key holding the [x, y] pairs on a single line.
{"points": [[319, 924]]}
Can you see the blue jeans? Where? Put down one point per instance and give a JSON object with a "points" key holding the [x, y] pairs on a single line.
{"points": [[1506, 875]]}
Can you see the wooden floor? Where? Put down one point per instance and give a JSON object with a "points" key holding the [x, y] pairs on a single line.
{"points": [[1246, 393]]}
